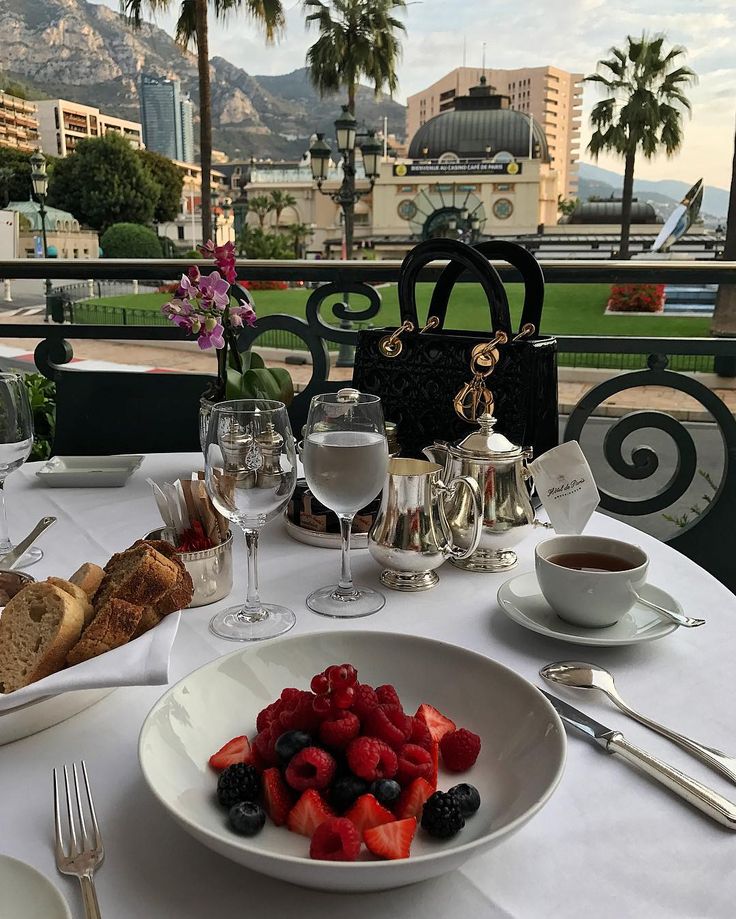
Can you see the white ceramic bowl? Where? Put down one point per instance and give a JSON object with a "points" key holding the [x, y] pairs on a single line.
{"points": [[519, 767]]}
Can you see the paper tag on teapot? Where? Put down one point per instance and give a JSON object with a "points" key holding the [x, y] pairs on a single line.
{"points": [[566, 487]]}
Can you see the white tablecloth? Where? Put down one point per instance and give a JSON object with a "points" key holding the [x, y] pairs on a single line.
{"points": [[609, 842]]}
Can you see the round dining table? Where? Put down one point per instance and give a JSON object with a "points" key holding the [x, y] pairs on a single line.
{"points": [[609, 843]]}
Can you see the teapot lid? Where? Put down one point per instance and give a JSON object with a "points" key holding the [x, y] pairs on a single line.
{"points": [[487, 443]]}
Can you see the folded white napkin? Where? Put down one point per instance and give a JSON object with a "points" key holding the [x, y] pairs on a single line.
{"points": [[142, 662]]}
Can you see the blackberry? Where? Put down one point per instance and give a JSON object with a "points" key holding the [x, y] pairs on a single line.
{"points": [[441, 816], [385, 791], [346, 791], [247, 818], [290, 743], [238, 783], [467, 797]]}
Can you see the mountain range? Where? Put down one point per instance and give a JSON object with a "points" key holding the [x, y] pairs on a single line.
{"points": [[87, 53]]}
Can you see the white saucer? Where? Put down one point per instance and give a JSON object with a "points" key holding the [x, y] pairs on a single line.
{"points": [[27, 894], [521, 599]]}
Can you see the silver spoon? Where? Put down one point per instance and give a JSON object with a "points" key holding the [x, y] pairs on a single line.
{"points": [[577, 675], [679, 618]]}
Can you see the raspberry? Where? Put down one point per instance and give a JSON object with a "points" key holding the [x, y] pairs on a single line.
{"points": [[265, 744], [420, 734], [413, 763], [441, 816], [335, 840], [303, 715], [310, 768], [460, 749], [370, 758], [364, 700], [390, 724], [387, 695], [267, 715], [339, 729], [290, 695]]}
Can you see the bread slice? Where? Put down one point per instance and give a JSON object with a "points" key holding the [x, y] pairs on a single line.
{"points": [[179, 595], [149, 619], [88, 577], [140, 575], [37, 629], [69, 588], [113, 626]]}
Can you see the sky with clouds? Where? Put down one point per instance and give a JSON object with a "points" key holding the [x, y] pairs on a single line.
{"points": [[571, 34]]}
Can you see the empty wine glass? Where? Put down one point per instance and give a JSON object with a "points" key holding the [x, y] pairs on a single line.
{"points": [[16, 442], [345, 458], [250, 474]]}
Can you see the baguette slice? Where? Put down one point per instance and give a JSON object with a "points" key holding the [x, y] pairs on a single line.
{"points": [[140, 575], [113, 626], [88, 577], [79, 595], [37, 629]]}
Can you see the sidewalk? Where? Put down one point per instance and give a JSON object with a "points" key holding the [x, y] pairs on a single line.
{"points": [[111, 355]]}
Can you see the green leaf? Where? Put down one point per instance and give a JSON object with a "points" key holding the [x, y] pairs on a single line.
{"points": [[284, 383], [261, 384], [256, 361]]}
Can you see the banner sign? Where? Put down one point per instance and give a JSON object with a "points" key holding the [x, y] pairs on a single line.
{"points": [[455, 167]]}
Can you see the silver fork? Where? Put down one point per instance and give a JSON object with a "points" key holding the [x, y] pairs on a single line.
{"points": [[79, 852]]}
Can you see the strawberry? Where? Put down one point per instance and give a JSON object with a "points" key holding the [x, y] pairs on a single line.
{"points": [[367, 813], [391, 840], [438, 724], [412, 799], [277, 798], [307, 814], [236, 750]]}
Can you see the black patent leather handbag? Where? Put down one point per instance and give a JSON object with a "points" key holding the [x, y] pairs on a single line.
{"points": [[434, 382]]}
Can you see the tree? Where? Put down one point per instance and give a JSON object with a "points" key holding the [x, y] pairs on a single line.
{"points": [[261, 206], [192, 28], [104, 182], [566, 206], [254, 242], [298, 234], [643, 109], [15, 175], [357, 39], [280, 200], [130, 240], [170, 181], [724, 316]]}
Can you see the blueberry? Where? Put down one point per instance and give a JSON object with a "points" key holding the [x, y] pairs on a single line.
{"points": [[467, 797], [247, 818], [385, 791], [346, 791], [290, 743]]}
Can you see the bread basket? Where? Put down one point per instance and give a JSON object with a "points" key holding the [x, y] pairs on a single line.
{"points": [[211, 569]]}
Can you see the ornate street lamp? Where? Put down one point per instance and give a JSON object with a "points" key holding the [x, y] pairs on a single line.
{"points": [[346, 133], [40, 183], [240, 204]]}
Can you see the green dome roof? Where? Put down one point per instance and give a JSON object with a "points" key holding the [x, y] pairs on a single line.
{"points": [[55, 219]]}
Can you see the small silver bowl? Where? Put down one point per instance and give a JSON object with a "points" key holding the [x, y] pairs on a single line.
{"points": [[211, 569], [11, 583]]}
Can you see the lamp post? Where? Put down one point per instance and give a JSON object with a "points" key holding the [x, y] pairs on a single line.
{"points": [[347, 195], [40, 182], [240, 204]]}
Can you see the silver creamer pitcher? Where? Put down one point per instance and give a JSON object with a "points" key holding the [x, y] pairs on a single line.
{"points": [[411, 536], [498, 467]]}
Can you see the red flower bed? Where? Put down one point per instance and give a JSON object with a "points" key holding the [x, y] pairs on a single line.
{"points": [[265, 285], [636, 298]]}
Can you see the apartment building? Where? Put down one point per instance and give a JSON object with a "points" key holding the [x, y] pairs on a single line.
{"points": [[553, 96], [167, 116], [18, 123], [62, 124]]}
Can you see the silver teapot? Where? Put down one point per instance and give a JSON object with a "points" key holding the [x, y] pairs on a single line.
{"points": [[499, 469], [411, 536]]}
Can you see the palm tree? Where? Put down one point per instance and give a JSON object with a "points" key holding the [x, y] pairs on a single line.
{"points": [[192, 28], [357, 39], [261, 206], [642, 111], [280, 200], [724, 315], [298, 233]]}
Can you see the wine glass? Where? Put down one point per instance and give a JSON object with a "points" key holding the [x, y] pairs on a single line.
{"points": [[16, 443], [250, 474], [345, 458]]}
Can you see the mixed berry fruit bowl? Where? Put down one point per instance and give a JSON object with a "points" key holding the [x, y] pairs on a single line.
{"points": [[518, 768]]}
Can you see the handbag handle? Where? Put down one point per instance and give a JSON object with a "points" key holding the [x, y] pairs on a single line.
{"points": [[515, 255], [461, 256]]}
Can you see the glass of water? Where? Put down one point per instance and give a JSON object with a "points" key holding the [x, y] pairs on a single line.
{"points": [[250, 474], [16, 442], [345, 458]]}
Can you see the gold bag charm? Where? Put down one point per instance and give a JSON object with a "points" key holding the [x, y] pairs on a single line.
{"points": [[475, 398]]}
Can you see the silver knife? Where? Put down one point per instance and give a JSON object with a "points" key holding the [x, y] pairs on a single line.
{"points": [[705, 799], [9, 560]]}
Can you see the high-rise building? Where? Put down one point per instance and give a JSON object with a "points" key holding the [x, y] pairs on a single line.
{"points": [[62, 124], [18, 123], [167, 117], [553, 96]]}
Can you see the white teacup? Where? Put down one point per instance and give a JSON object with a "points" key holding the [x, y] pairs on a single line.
{"points": [[591, 597]]}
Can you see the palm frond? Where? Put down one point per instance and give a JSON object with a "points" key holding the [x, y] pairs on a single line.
{"points": [[186, 24]]}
